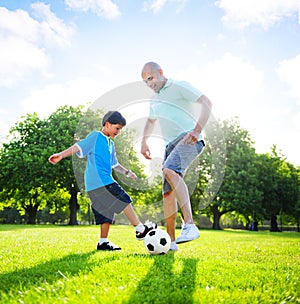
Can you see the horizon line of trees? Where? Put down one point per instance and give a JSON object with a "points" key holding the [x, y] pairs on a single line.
{"points": [[230, 178]]}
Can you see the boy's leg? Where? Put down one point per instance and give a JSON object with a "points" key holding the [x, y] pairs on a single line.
{"points": [[104, 229], [141, 230], [104, 223], [103, 243], [131, 215]]}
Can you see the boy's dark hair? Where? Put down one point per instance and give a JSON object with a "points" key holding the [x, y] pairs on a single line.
{"points": [[114, 117]]}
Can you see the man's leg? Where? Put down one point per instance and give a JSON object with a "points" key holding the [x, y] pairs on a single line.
{"points": [[181, 193], [189, 231], [170, 211]]}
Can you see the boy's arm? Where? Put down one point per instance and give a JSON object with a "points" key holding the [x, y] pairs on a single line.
{"points": [[128, 173], [55, 158]]}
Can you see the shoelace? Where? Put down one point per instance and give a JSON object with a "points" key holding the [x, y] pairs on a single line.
{"points": [[186, 229], [150, 224]]}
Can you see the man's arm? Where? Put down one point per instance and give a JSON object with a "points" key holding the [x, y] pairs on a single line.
{"points": [[192, 137], [147, 132]]}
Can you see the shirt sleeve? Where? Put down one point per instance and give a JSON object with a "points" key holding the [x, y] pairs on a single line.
{"points": [[114, 160], [189, 92], [86, 145]]}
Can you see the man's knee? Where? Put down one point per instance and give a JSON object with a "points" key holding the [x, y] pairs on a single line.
{"points": [[168, 172], [167, 194]]}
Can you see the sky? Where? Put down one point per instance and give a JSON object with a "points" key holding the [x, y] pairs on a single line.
{"points": [[243, 55]]}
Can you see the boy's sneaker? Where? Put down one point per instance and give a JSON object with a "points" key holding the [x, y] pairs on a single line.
{"points": [[188, 233], [148, 226], [107, 246]]}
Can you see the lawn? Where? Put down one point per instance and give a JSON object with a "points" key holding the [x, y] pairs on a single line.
{"points": [[59, 264]]}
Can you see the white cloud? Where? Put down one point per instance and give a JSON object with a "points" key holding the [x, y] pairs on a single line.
{"points": [[18, 57], [4, 127], [24, 40], [80, 91], [264, 13], [289, 72], [232, 83], [52, 29], [237, 88], [156, 6], [102, 8]]}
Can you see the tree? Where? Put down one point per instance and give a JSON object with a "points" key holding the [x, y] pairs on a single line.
{"points": [[278, 180], [238, 191], [62, 126], [22, 166]]}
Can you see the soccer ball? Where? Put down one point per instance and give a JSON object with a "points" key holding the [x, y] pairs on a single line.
{"points": [[157, 241]]}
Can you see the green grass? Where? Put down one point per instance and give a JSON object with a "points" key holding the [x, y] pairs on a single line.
{"points": [[58, 264]]}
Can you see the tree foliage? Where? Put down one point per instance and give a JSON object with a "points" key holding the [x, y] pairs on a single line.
{"points": [[228, 178]]}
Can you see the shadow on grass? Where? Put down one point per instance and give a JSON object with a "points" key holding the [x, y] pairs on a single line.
{"points": [[48, 272], [167, 281]]}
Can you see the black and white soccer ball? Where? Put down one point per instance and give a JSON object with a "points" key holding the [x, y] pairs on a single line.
{"points": [[157, 241]]}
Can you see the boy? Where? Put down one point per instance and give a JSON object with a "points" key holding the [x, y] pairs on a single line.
{"points": [[106, 194]]}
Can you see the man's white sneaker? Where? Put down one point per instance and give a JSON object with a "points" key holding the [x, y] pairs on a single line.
{"points": [[173, 246], [188, 233]]}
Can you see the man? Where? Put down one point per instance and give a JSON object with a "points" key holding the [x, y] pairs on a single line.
{"points": [[173, 105]]}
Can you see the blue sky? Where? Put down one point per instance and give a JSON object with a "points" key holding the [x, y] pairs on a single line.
{"points": [[244, 55]]}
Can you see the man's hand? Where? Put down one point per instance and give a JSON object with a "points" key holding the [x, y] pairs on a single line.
{"points": [[145, 151], [191, 138]]}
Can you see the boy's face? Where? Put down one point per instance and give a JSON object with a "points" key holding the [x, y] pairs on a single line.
{"points": [[112, 130]]}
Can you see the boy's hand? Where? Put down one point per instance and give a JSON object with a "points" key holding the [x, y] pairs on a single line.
{"points": [[55, 158], [132, 175]]}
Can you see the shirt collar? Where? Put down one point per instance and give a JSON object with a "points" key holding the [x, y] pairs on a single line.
{"points": [[167, 84], [107, 137]]}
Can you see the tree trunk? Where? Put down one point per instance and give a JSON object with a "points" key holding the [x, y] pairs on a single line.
{"points": [[31, 211], [274, 225], [73, 204], [217, 215]]}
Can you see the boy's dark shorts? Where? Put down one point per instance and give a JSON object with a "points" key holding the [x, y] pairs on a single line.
{"points": [[108, 200]]}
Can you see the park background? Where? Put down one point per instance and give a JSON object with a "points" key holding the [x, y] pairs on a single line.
{"points": [[60, 57]]}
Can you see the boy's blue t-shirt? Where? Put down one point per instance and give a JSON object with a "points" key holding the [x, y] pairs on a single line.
{"points": [[101, 158]]}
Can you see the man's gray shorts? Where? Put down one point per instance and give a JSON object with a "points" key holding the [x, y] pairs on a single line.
{"points": [[179, 156]]}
